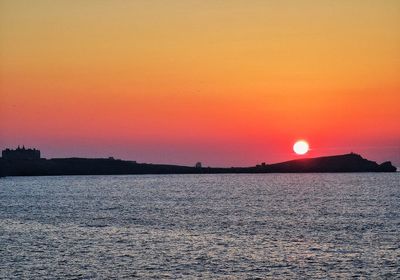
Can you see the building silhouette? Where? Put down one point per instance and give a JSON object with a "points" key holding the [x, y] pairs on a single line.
{"points": [[21, 154]]}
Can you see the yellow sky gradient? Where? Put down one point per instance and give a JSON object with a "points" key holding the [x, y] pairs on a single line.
{"points": [[256, 74]]}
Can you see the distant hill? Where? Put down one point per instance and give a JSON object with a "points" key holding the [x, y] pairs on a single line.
{"points": [[109, 166], [339, 163]]}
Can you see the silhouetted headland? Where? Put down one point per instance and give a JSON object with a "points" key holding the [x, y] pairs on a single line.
{"points": [[27, 162]]}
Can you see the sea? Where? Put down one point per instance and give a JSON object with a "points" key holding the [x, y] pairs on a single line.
{"points": [[230, 226]]}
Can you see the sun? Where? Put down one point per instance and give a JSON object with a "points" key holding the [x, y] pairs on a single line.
{"points": [[301, 147]]}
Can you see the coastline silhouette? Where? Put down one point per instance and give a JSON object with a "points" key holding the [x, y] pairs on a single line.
{"points": [[27, 162]]}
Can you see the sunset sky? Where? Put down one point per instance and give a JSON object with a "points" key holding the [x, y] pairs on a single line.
{"points": [[221, 82]]}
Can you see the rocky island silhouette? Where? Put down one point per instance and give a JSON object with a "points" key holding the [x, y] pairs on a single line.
{"points": [[27, 162]]}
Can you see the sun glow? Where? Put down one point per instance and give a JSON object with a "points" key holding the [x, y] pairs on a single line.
{"points": [[301, 147]]}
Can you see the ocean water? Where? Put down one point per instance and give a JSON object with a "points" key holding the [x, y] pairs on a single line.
{"points": [[265, 226]]}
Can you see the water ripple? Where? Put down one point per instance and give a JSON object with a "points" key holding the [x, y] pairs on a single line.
{"points": [[302, 226]]}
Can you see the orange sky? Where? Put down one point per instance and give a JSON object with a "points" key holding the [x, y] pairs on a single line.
{"points": [[222, 82]]}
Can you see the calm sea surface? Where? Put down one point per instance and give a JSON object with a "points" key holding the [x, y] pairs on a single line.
{"points": [[294, 226]]}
